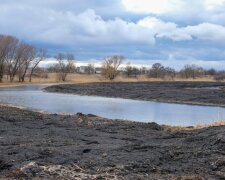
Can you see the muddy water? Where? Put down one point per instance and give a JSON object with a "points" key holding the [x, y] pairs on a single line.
{"points": [[32, 96]]}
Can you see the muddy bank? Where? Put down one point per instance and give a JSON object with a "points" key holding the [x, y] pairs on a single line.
{"points": [[84, 146], [205, 93]]}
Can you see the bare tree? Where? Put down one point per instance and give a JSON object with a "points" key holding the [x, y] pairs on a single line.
{"points": [[211, 72], [157, 71], [26, 59], [60, 66], [90, 69], [71, 68], [191, 71], [3, 42], [13, 56], [132, 70], [65, 65], [16, 57], [40, 56], [169, 72], [110, 66], [128, 70], [219, 76]]}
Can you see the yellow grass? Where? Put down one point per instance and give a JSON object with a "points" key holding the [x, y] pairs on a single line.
{"points": [[8, 84], [202, 79], [173, 129], [213, 124], [84, 78]]}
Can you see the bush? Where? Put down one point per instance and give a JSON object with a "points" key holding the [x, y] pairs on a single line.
{"points": [[219, 77]]}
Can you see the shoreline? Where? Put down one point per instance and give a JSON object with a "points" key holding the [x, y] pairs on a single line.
{"points": [[152, 100], [101, 90]]}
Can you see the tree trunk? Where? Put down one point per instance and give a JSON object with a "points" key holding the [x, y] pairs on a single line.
{"points": [[11, 78], [31, 74]]}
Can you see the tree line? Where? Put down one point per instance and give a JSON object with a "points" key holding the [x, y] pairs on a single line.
{"points": [[22, 59], [159, 71], [111, 68], [17, 57]]}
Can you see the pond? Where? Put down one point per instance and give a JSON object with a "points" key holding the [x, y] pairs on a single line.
{"points": [[32, 96]]}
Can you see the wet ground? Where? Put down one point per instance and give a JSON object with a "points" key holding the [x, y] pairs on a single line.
{"points": [[50, 146], [204, 93]]}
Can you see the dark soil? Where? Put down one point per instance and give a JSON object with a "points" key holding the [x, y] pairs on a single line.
{"points": [[205, 93], [35, 145]]}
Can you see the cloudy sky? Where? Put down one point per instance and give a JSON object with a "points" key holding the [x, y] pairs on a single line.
{"points": [[174, 32]]}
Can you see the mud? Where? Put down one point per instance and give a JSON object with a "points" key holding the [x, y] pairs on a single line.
{"points": [[49, 146], [198, 93]]}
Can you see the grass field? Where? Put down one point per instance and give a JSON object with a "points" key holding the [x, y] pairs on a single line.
{"points": [[84, 78]]}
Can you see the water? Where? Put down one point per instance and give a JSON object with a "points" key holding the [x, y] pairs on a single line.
{"points": [[31, 96]]}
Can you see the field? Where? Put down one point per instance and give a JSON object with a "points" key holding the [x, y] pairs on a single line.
{"points": [[85, 78]]}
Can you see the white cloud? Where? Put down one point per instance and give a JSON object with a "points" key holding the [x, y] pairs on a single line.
{"points": [[204, 31], [156, 25], [212, 4], [152, 6], [67, 28], [183, 8], [97, 28]]}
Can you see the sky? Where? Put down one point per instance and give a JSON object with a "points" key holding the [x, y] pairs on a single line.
{"points": [[173, 32]]}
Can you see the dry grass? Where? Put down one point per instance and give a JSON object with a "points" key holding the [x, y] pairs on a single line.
{"points": [[8, 84], [84, 78], [213, 124], [174, 129]]}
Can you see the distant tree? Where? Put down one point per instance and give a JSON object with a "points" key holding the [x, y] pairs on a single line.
{"points": [[52, 69], [211, 72], [131, 70], [191, 71], [40, 56], [157, 71], [219, 76], [26, 59], [65, 65], [128, 70], [170, 72], [71, 68], [110, 66], [143, 70], [13, 53], [4, 40], [41, 73], [90, 69], [135, 71]]}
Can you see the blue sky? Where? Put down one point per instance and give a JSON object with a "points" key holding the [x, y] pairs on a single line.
{"points": [[173, 32]]}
